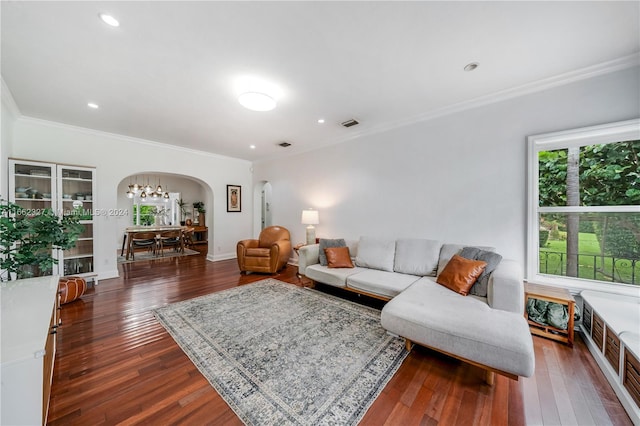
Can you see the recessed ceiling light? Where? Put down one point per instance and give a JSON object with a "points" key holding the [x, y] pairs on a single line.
{"points": [[109, 20], [257, 101], [252, 146], [472, 66], [321, 121], [92, 105]]}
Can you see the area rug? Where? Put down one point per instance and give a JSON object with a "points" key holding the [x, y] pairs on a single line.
{"points": [[283, 355], [168, 253]]}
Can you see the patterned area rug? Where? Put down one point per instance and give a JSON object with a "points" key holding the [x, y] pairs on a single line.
{"points": [[279, 354]]}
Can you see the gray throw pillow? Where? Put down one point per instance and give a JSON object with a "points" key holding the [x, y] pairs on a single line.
{"points": [[327, 243], [492, 259]]}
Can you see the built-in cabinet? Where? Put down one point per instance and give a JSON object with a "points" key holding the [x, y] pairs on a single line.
{"points": [[611, 325], [67, 190], [29, 321]]}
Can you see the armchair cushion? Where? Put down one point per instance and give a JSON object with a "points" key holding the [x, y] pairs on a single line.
{"points": [[258, 252]]}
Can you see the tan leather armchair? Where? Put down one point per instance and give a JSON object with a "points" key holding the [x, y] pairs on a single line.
{"points": [[269, 253]]}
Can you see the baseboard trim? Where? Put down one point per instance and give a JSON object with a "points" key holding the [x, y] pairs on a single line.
{"points": [[105, 275], [219, 257]]}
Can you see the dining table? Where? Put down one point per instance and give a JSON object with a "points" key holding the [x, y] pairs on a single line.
{"points": [[130, 230]]}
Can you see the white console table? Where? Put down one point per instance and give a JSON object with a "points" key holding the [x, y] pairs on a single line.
{"points": [[611, 324], [28, 320]]}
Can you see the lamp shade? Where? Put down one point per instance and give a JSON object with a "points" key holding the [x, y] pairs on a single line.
{"points": [[310, 217]]}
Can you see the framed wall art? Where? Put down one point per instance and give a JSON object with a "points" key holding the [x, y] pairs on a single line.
{"points": [[234, 198]]}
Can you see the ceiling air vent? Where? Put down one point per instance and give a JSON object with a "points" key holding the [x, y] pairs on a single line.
{"points": [[284, 144], [350, 123]]}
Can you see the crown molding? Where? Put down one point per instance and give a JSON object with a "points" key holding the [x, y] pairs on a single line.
{"points": [[7, 98], [525, 89], [129, 139], [503, 95]]}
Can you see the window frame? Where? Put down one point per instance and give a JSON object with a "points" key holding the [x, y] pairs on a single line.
{"points": [[171, 205], [602, 134]]}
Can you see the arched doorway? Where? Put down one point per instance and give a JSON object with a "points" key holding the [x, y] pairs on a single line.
{"points": [[183, 188]]}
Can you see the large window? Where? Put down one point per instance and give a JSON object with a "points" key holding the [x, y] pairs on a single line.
{"points": [[155, 211], [584, 205]]}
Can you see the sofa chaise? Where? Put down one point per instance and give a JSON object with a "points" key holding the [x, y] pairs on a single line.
{"points": [[486, 329]]}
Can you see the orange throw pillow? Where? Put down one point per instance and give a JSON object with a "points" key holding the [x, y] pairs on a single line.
{"points": [[460, 274], [338, 257]]}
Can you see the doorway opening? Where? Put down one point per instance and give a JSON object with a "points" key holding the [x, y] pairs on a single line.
{"points": [[265, 218]]}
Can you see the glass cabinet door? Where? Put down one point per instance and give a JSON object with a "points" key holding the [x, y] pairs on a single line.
{"points": [[76, 187], [33, 186]]}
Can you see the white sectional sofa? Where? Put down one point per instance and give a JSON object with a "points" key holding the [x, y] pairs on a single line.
{"points": [[489, 332]]}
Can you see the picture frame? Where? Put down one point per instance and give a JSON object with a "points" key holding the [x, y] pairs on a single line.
{"points": [[234, 198]]}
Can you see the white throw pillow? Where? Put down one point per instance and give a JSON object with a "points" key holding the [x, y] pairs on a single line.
{"points": [[417, 256], [376, 253]]}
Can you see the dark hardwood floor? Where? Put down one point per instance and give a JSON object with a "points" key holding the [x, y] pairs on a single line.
{"points": [[116, 365]]}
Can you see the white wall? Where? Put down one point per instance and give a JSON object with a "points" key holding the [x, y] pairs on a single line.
{"points": [[8, 117], [457, 178], [118, 157]]}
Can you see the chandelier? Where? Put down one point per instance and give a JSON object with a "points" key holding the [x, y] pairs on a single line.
{"points": [[147, 190]]}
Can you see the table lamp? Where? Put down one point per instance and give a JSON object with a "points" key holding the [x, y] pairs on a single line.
{"points": [[310, 217]]}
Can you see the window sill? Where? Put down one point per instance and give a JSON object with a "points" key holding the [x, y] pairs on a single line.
{"points": [[575, 286]]}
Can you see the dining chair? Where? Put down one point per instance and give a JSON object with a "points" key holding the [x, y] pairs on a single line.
{"points": [[187, 237], [171, 239], [143, 239]]}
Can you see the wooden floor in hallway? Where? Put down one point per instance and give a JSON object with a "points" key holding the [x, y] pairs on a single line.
{"points": [[117, 365]]}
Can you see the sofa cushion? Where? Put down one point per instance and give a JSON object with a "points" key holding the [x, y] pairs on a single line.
{"points": [[417, 256], [338, 257], [381, 283], [336, 277], [376, 253], [448, 250], [460, 274], [493, 260], [327, 243], [431, 315]]}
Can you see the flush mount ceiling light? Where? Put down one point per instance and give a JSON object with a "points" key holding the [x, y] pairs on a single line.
{"points": [[472, 66], [257, 101], [92, 105], [321, 121], [109, 20], [257, 93]]}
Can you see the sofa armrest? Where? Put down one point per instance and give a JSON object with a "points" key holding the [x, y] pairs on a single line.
{"points": [[307, 255], [506, 287]]}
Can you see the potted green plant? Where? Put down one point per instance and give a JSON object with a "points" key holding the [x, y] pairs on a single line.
{"points": [[183, 211], [199, 207], [28, 239]]}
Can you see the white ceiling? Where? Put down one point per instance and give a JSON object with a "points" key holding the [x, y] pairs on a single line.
{"points": [[168, 73]]}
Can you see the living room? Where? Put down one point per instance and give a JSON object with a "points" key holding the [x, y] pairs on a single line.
{"points": [[447, 161]]}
